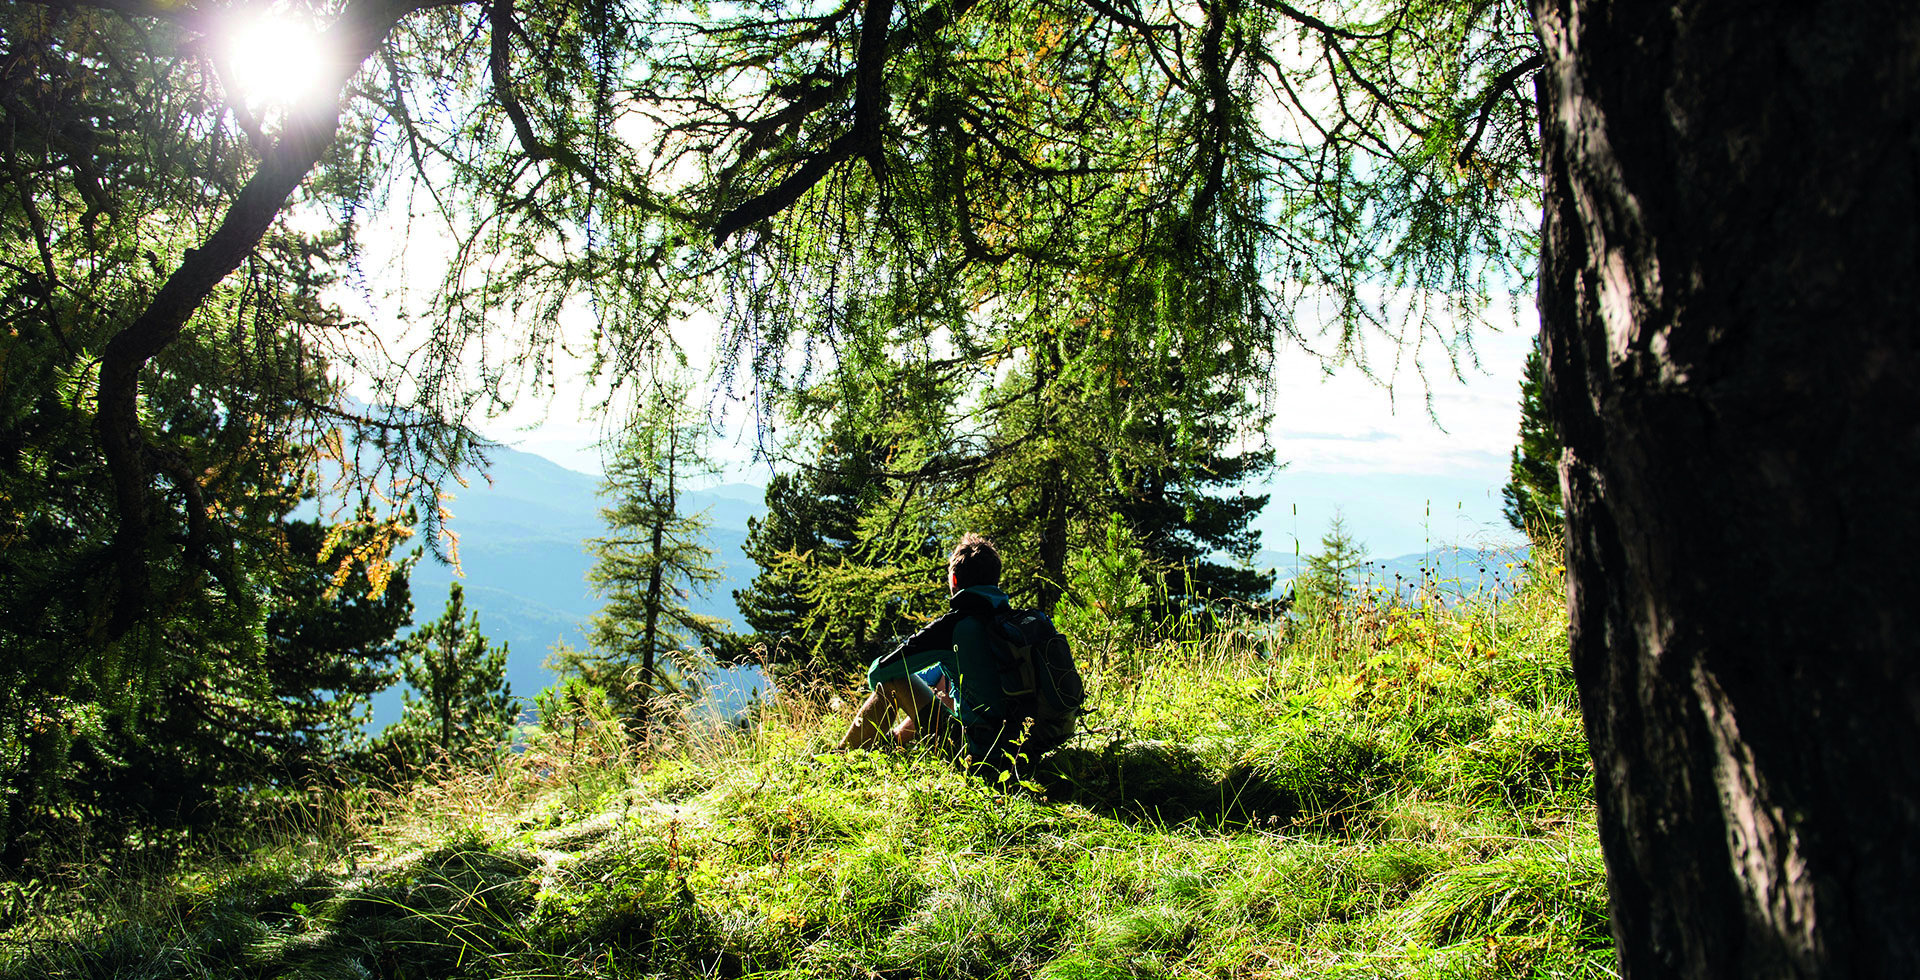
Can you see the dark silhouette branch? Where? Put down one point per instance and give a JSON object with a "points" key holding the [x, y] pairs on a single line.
{"points": [[1129, 21], [503, 27], [45, 283], [1501, 83], [1213, 67], [198, 20], [870, 86], [309, 130], [869, 111], [782, 195], [878, 43], [1331, 36]]}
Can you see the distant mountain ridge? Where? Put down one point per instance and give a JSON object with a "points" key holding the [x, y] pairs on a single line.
{"points": [[1453, 571], [522, 532]]}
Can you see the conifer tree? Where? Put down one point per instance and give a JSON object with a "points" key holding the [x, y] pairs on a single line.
{"points": [[1532, 494], [229, 724], [651, 563], [812, 521], [1185, 507], [1041, 486], [250, 685], [458, 701], [1328, 582], [331, 644], [1107, 594], [871, 514]]}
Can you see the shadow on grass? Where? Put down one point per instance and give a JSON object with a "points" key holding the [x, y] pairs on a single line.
{"points": [[426, 917], [1161, 783], [1324, 781]]}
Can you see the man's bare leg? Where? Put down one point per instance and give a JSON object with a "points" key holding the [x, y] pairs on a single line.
{"points": [[905, 731], [930, 717], [888, 700]]}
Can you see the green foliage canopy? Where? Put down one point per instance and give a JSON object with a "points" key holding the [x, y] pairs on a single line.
{"points": [[1180, 177]]}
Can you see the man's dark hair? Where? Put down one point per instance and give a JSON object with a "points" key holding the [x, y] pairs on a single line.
{"points": [[975, 561]]}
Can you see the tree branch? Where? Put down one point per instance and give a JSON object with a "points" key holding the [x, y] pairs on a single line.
{"points": [[1331, 37], [47, 284], [877, 44], [1305, 19], [869, 110], [503, 27], [870, 85], [1499, 87], [1142, 28], [197, 20], [308, 131], [782, 195], [1212, 64]]}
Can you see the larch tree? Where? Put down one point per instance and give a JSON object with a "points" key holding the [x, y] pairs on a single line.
{"points": [[1188, 172], [652, 562], [1730, 270]]}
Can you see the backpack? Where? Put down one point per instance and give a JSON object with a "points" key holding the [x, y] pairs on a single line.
{"points": [[1037, 674]]}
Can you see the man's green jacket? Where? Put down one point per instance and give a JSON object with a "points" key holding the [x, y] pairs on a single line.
{"points": [[957, 642]]}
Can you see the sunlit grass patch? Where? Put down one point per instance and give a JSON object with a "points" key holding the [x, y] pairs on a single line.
{"points": [[1537, 909]]}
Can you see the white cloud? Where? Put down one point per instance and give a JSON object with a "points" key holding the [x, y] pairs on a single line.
{"points": [[1407, 476], [1349, 424]]}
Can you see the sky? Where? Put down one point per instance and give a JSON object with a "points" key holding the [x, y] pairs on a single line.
{"points": [[1404, 480]]}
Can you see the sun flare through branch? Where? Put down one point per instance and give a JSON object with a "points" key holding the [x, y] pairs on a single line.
{"points": [[273, 60]]}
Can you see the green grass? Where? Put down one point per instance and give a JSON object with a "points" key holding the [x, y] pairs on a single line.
{"points": [[1393, 793]]}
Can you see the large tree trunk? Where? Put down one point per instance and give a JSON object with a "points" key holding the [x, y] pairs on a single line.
{"points": [[1729, 292]]}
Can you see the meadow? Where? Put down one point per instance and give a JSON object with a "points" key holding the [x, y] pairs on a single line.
{"points": [[1388, 788]]}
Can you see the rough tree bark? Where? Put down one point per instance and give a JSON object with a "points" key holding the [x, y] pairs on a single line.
{"points": [[308, 131], [1729, 289]]}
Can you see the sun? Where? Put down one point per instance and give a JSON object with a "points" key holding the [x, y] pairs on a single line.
{"points": [[273, 60]]}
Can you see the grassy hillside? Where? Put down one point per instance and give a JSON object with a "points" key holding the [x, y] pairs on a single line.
{"points": [[1398, 792]]}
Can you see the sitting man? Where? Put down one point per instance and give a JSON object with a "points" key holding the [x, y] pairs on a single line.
{"points": [[968, 706]]}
